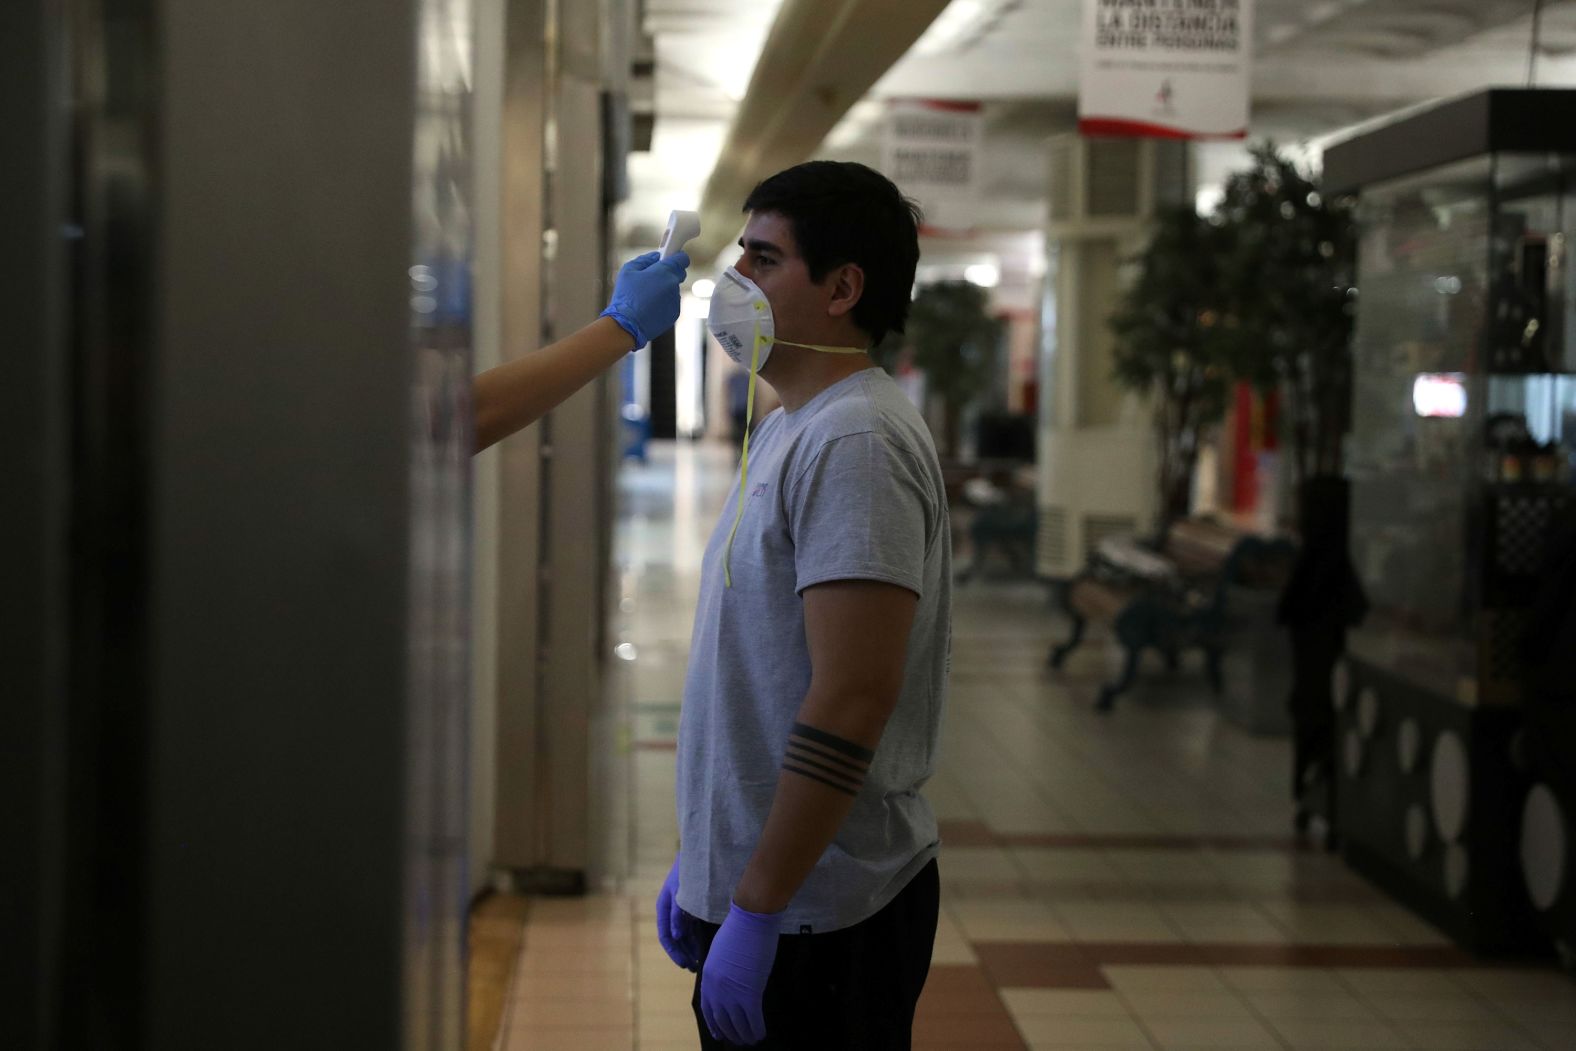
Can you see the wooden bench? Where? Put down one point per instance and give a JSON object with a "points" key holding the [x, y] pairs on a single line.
{"points": [[1171, 597]]}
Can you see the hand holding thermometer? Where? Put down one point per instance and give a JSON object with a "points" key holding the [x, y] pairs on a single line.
{"points": [[646, 298], [682, 228]]}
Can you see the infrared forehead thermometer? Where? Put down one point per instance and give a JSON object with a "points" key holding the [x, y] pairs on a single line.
{"points": [[682, 228]]}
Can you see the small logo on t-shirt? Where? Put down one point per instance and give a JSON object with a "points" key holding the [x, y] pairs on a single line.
{"points": [[759, 490]]}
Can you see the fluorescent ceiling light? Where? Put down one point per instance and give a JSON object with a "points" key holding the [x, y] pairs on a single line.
{"points": [[703, 288]]}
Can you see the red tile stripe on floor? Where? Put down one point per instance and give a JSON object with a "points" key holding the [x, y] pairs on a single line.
{"points": [[960, 1009]]}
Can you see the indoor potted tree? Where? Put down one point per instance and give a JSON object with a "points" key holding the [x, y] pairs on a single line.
{"points": [[1290, 278], [953, 338], [1170, 325]]}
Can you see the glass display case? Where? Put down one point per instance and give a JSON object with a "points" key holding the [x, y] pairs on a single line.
{"points": [[1464, 436], [1462, 459]]}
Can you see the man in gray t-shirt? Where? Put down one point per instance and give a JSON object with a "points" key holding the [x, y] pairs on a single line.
{"points": [[806, 891]]}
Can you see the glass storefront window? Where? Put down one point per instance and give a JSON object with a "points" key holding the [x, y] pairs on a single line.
{"points": [[1464, 429]]}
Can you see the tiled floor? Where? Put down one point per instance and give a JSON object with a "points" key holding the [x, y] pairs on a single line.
{"points": [[1109, 882]]}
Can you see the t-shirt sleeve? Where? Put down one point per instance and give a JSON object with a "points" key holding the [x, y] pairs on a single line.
{"points": [[861, 510]]}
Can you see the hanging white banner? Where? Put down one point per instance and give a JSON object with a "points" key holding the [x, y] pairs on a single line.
{"points": [[1165, 68], [931, 149]]}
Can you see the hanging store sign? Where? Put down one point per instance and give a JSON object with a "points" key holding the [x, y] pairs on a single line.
{"points": [[931, 149], [1173, 69]]}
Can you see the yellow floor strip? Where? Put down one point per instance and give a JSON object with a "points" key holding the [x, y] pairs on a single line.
{"points": [[497, 924]]}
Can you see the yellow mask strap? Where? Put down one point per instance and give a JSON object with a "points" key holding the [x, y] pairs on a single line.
{"points": [[817, 346], [744, 459]]}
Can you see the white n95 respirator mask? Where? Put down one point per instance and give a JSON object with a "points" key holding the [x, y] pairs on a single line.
{"points": [[740, 319]]}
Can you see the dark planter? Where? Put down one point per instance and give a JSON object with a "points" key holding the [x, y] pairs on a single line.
{"points": [[1322, 599], [1547, 828]]}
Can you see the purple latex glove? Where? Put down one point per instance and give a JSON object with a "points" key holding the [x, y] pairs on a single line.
{"points": [[673, 923], [734, 976]]}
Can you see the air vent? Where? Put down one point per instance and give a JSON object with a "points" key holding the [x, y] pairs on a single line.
{"points": [[1112, 184], [1051, 543], [1173, 178], [1109, 178], [1064, 154]]}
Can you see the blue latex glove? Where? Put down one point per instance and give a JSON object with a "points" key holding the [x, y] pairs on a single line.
{"points": [[646, 296], [673, 923], [734, 976]]}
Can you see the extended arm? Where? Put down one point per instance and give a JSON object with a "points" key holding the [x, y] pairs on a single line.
{"points": [[515, 395]]}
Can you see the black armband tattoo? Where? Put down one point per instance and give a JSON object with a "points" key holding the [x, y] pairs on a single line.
{"points": [[827, 758]]}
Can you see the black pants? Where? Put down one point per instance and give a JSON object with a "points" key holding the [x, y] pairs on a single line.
{"points": [[848, 990]]}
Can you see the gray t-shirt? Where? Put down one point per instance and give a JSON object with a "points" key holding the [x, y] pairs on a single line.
{"points": [[845, 488]]}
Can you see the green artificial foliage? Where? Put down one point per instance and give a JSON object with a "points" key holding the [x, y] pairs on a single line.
{"points": [[953, 338], [1289, 277], [1172, 343], [1260, 291]]}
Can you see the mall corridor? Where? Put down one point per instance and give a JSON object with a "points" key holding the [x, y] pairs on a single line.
{"points": [[1122, 881], [375, 372]]}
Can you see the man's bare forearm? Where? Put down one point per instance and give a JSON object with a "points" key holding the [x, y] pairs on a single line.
{"points": [[517, 394], [827, 757], [857, 632]]}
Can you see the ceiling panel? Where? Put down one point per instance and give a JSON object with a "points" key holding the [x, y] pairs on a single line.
{"points": [[1320, 66]]}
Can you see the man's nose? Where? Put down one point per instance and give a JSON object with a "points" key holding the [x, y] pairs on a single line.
{"points": [[743, 267]]}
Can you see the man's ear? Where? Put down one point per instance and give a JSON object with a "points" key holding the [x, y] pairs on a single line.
{"points": [[848, 284]]}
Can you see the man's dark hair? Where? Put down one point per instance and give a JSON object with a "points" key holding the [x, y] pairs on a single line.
{"points": [[842, 212]]}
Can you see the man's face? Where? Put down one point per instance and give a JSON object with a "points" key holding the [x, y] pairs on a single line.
{"points": [[771, 259]]}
